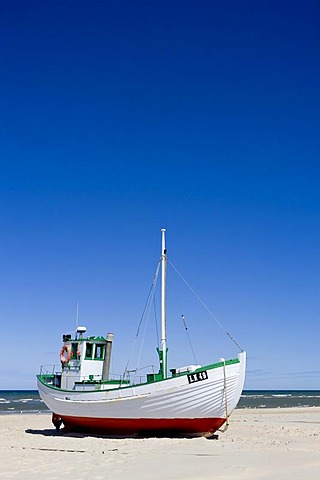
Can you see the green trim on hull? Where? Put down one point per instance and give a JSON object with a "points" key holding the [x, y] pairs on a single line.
{"points": [[212, 366]]}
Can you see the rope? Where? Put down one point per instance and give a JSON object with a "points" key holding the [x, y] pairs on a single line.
{"points": [[186, 329], [150, 295], [225, 397], [156, 321], [205, 306]]}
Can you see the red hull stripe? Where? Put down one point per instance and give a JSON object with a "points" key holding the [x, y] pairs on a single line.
{"points": [[143, 426]]}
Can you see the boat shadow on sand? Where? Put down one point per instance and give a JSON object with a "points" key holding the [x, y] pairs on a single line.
{"points": [[51, 432]]}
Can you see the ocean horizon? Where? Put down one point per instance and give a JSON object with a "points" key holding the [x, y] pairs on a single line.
{"points": [[29, 401]]}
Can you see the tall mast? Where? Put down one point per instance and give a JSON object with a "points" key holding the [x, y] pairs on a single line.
{"points": [[163, 349]]}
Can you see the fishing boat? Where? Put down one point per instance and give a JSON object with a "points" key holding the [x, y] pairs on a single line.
{"points": [[192, 400]]}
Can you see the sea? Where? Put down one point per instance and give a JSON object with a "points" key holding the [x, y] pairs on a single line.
{"points": [[28, 401]]}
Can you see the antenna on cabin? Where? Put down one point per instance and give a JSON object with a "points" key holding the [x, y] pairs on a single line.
{"points": [[77, 316], [81, 331]]}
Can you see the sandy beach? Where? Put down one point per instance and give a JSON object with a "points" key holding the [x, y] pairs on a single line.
{"points": [[259, 444]]}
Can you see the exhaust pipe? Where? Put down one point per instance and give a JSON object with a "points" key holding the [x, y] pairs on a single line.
{"points": [[107, 358]]}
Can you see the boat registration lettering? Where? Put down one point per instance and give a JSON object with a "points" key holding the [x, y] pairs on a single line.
{"points": [[197, 377]]}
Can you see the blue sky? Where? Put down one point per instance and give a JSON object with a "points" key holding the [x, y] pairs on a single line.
{"points": [[120, 118]]}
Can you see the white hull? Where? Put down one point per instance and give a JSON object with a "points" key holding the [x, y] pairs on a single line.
{"points": [[173, 405]]}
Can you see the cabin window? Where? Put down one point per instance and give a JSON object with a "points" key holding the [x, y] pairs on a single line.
{"points": [[99, 353], [74, 350], [89, 350]]}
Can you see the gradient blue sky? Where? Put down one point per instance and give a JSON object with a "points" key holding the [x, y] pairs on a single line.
{"points": [[120, 118]]}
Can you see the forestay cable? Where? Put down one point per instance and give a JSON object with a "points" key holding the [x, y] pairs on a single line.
{"points": [[205, 306]]}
